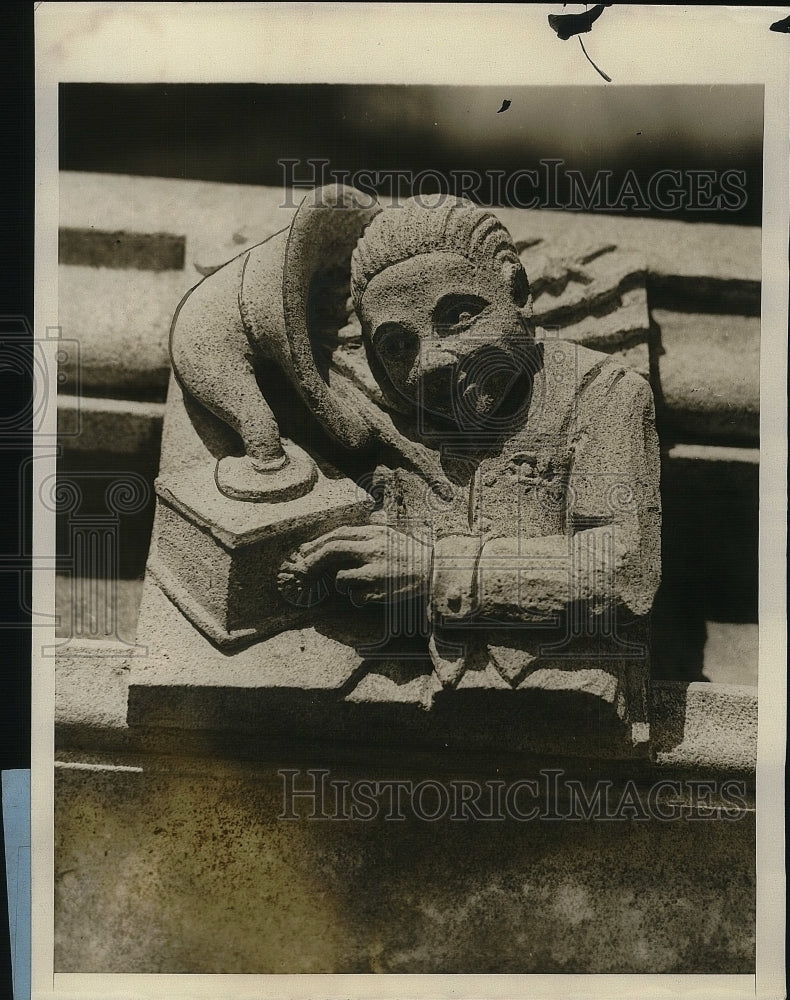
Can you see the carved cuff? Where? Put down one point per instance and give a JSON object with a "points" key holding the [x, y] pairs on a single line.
{"points": [[454, 578]]}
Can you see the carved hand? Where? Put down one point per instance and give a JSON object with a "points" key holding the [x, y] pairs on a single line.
{"points": [[373, 563]]}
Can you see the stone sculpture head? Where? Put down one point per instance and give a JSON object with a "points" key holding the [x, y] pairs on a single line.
{"points": [[441, 293]]}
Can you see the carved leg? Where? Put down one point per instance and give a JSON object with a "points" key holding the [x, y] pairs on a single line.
{"points": [[267, 472], [232, 394]]}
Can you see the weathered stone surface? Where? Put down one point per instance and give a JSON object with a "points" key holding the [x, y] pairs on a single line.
{"points": [[237, 215], [185, 681], [700, 729], [623, 332], [706, 265], [155, 824], [402, 274], [218, 559], [98, 248], [710, 377], [700, 484], [596, 297], [73, 605], [91, 688], [170, 865], [121, 318], [314, 681], [379, 683], [91, 424], [728, 654], [208, 214], [699, 722]]}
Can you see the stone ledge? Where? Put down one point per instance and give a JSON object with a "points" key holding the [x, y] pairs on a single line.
{"points": [[220, 220], [348, 689], [698, 727], [709, 377], [89, 423], [99, 248]]}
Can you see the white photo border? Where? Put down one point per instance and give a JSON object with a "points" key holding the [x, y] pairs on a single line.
{"points": [[426, 43]]}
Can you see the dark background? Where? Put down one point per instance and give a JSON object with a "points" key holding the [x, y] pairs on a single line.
{"points": [[237, 132], [16, 305]]}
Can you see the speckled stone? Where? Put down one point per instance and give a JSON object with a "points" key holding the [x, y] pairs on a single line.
{"points": [[710, 377], [702, 729], [170, 865]]}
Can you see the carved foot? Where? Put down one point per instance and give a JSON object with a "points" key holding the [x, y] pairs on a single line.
{"points": [[243, 479]]}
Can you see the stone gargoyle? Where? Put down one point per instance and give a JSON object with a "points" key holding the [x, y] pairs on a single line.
{"points": [[369, 413]]}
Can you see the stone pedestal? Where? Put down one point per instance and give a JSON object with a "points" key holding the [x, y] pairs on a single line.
{"points": [[217, 559]]}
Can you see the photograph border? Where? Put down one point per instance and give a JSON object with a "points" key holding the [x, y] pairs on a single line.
{"points": [[288, 42]]}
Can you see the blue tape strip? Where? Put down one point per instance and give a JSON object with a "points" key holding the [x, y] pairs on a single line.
{"points": [[16, 829]]}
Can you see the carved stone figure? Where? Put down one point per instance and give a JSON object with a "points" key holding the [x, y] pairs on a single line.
{"points": [[369, 409], [254, 313]]}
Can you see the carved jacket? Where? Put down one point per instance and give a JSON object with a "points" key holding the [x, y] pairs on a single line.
{"points": [[552, 537]]}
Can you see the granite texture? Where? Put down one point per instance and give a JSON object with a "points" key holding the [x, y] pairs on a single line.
{"points": [[201, 710], [170, 865], [710, 377], [134, 428], [218, 559]]}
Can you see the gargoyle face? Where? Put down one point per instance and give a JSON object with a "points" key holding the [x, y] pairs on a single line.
{"points": [[448, 338]]}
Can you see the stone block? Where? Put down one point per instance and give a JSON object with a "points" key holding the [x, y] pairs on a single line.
{"points": [[206, 703], [286, 682], [121, 318], [133, 428], [691, 266], [122, 248], [701, 723], [596, 297], [169, 865], [317, 679], [709, 377], [218, 559]]}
